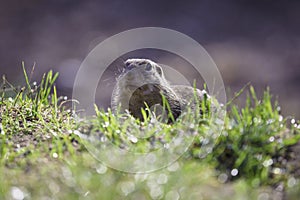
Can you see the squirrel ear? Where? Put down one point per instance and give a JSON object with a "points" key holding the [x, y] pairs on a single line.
{"points": [[159, 70]]}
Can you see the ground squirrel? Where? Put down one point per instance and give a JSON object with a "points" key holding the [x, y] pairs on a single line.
{"points": [[143, 81]]}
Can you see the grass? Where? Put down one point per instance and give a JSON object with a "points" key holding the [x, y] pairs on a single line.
{"points": [[43, 157]]}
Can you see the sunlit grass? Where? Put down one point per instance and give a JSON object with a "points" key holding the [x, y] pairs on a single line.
{"points": [[42, 155]]}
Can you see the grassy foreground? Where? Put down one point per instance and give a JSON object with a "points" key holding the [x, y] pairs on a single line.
{"points": [[255, 156]]}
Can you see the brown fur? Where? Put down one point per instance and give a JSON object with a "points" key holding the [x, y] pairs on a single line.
{"points": [[143, 82]]}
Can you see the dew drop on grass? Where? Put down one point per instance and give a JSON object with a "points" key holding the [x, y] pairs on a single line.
{"points": [[133, 139], [209, 150], [192, 126], [55, 155], [222, 178], [263, 196], [1, 129], [167, 146], [278, 108], [47, 136], [87, 193], [103, 139], [162, 179], [277, 170], [173, 167], [105, 125], [267, 163], [127, 187], [140, 177], [172, 195], [280, 187], [234, 172], [101, 169], [271, 139], [17, 193], [156, 192], [291, 182], [151, 158], [53, 133]]}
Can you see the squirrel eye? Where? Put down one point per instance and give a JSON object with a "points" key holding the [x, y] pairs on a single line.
{"points": [[159, 70], [148, 67]]}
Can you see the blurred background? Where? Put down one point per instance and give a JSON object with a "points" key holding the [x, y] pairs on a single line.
{"points": [[254, 41]]}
